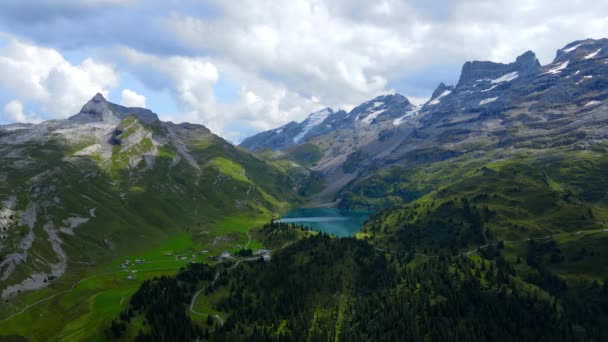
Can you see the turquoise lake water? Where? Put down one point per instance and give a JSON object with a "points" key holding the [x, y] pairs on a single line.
{"points": [[329, 220]]}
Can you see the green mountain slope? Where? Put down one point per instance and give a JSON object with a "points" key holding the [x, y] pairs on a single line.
{"points": [[79, 197], [360, 293]]}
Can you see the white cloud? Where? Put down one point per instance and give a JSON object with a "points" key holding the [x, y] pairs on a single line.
{"points": [[307, 46], [129, 98], [341, 53], [44, 77], [260, 104], [14, 113], [291, 59]]}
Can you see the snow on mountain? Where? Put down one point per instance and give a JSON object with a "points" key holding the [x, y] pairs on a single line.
{"points": [[571, 48], [486, 101], [371, 116], [410, 113], [593, 54], [437, 100], [506, 78], [312, 121], [592, 103], [557, 69]]}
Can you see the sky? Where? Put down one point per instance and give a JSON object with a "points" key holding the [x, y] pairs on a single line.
{"points": [[239, 67]]}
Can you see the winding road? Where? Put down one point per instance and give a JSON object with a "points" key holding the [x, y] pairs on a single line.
{"points": [[217, 275]]}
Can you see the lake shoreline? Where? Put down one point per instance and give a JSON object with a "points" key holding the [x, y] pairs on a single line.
{"points": [[334, 221]]}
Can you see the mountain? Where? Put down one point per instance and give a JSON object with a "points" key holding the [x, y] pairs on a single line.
{"points": [[326, 147], [289, 134], [99, 109], [489, 218], [490, 210], [503, 108], [110, 182], [326, 121]]}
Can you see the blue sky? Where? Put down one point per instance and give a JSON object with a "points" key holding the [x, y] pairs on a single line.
{"points": [[239, 67]]}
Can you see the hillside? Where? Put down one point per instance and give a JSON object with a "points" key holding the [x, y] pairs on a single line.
{"points": [[81, 195], [360, 292], [490, 218]]}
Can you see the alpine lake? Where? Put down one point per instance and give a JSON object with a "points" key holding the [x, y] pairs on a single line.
{"points": [[338, 222]]}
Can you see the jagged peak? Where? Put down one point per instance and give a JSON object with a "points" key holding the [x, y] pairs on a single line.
{"points": [[98, 98], [526, 60], [320, 112], [97, 105], [100, 109], [525, 64], [581, 49], [388, 97], [441, 88]]}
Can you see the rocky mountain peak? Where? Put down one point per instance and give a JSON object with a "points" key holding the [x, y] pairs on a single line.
{"points": [[100, 109], [526, 64], [98, 98], [96, 109], [582, 50], [441, 88]]}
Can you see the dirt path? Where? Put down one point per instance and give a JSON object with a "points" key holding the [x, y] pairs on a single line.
{"points": [[248, 242]]}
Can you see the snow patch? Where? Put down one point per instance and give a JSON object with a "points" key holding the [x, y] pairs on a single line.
{"points": [[558, 68], [506, 78], [489, 89], [486, 101], [312, 121], [570, 49], [371, 116], [592, 103], [438, 98], [410, 113], [593, 54]]}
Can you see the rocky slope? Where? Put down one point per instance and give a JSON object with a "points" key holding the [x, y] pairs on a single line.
{"points": [[79, 191], [503, 108]]}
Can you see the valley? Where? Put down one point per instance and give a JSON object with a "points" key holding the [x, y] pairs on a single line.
{"points": [[480, 214]]}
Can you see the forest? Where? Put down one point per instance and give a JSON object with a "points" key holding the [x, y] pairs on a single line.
{"points": [[323, 288]]}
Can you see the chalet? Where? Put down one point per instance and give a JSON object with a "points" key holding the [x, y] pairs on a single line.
{"points": [[225, 255]]}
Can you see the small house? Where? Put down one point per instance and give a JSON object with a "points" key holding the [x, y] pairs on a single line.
{"points": [[225, 255]]}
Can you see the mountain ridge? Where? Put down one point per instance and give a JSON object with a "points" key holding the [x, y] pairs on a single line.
{"points": [[493, 105], [492, 193], [65, 181]]}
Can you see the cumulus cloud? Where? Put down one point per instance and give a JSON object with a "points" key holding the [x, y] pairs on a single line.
{"points": [[14, 113], [260, 104], [45, 78], [292, 59], [129, 98], [341, 53], [304, 44]]}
